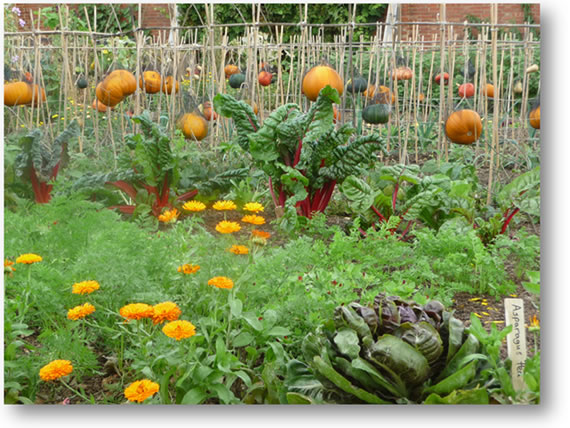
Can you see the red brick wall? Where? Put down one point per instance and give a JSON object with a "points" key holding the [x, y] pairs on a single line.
{"points": [[428, 12], [153, 15]]}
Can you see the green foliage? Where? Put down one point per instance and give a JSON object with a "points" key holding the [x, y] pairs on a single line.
{"points": [[110, 18]]}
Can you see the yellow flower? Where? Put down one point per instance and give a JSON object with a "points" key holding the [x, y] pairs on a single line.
{"points": [[188, 269], [178, 330], [227, 227], [253, 207], [141, 390], [80, 311], [55, 116], [136, 311], [260, 234], [85, 287], [56, 369], [166, 311], [253, 219], [169, 216], [221, 282], [29, 258], [195, 206], [238, 249], [224, 206]]}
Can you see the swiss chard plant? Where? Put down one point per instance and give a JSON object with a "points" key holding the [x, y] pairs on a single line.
{"points": [[41, 158], [391, 351], [303, 153]]}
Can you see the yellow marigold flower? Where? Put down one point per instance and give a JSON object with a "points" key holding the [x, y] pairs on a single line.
{"points": [[228, 227], [165, 311], [80, 311], [141, 390], [253, 219], [188, 269], [136, 311], [260, 234], [194, 206], [221, 282], [180, 329], [85, 287], [224, 206], [55, 370], [253, 207], [238, 249], [169, 216], [29, 258]]}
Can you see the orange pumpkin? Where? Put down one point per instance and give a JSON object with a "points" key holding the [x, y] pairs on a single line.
{"points": [[152, 82], [402, 73], [534, 118], [230, 69], [264, 78], [317, 78], [110, 91], [463, 127], [421, 97], [490, 90], [467, 90], [39, 95], [17, 93], [370, 91], [385, 95], [169, 85], [99, 106], [127, 81], [208, 111], [193, 125]]}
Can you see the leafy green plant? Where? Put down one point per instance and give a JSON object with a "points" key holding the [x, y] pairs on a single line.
{"points": [[302, 153], [392, 351], [41, 157]]}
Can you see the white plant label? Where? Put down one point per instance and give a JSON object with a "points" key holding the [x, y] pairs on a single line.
{"points": [[516, 340]]}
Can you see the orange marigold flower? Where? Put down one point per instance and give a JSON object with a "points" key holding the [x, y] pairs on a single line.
{"points": [[29, 258], [136, 311], [221, 282], [224, 205], [253, 219], [188, 269], [180, 329], [228, 227], [85, 287], [80, 311], [165, 311], [194, 206], [169, 216], [260, 234], [238, 249], [253, 207], [141, 390], [55, 370], [8, 267], [534, 322]]}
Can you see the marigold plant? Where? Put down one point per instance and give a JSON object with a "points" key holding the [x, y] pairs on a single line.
{"points": [[80, 311], [253, 219], [165, 311], [188, 269], [253, 207], [221, 282], [224, 206], [238, 249], [261, 234], [136, 311], [180, 329], [141, 390], [55, 370], [228, 227], [194, 206], [85, 287], [29, 258], [169, 216]]}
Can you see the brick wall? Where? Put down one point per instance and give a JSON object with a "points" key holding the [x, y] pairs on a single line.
{"points": [[153, 15], [428, 12]]}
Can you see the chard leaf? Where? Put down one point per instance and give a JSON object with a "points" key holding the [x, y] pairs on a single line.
{"points": [[245, 119], [358, 192]]}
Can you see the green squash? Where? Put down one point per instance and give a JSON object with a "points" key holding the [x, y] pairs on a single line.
{"points": [[82, 82], [236, 80], [358, 85], [376, 113]]}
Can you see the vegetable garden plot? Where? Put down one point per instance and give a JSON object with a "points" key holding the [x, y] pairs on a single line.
{"points": [[173, 203]]}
